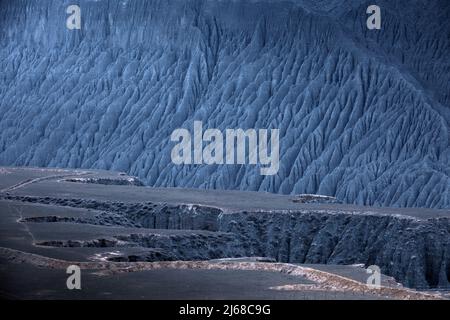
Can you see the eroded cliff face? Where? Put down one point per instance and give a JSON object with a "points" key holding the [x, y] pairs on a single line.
{"points": [[363, 115], [414, 251]]}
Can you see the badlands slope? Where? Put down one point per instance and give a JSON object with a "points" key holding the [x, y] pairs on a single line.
{"points": [[363, 115]]}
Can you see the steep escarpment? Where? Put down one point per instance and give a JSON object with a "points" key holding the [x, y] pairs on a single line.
{"points": [[363, 115], [414, 251]]}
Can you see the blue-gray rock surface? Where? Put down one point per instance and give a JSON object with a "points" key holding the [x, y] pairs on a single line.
{"points": [[364, 115]]}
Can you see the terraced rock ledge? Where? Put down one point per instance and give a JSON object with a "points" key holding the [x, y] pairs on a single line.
{"points": [[324, 281], [252, 243], [416, 252]]}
